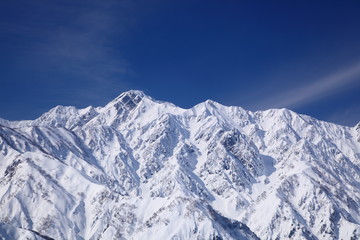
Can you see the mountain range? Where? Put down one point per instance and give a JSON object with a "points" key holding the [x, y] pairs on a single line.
{"points": [[139, 168]]}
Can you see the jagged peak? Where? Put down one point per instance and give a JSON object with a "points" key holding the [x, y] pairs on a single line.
{"points": [[61, 109], [280, 113], [207, 104], [133, 97], [213, 103], [134, 92], [129, 98], [131, 94], [58, 111], [214, 107]]}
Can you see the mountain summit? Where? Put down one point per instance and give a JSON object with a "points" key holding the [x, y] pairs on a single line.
{"points": [[139, 168]]}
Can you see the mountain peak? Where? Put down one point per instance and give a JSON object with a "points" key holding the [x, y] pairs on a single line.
{"points": [[131, 98], [131, 94]]}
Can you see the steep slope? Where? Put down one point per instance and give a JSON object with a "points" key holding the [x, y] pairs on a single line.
{"points": [[138, 168]]}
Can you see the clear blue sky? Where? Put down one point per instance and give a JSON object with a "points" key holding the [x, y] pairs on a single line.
{"points": [[302, 55]]}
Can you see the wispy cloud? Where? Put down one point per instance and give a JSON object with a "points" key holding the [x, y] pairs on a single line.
{"points": [[82, 45], [73, 48], [315, 90]]}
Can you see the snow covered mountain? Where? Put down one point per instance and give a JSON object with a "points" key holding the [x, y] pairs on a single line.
{"points": [[138, 168]]}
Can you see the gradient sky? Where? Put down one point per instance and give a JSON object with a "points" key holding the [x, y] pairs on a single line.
{"points": [[302, 55]]}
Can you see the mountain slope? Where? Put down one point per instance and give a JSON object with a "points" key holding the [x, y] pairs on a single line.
{"points": [[138, 168]]}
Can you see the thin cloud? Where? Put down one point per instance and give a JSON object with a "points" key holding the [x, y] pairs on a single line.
{"points": [[316, 90], [82, 46], [73, 47]]}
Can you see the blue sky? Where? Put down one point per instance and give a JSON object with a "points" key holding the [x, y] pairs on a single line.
{"points": [[302, 55]]}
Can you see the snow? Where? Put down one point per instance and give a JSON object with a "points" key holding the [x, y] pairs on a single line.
{"points": [[139, 168]]}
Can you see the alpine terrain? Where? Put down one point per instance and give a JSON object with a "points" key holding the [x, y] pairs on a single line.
{"points": [[139, 168]]}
